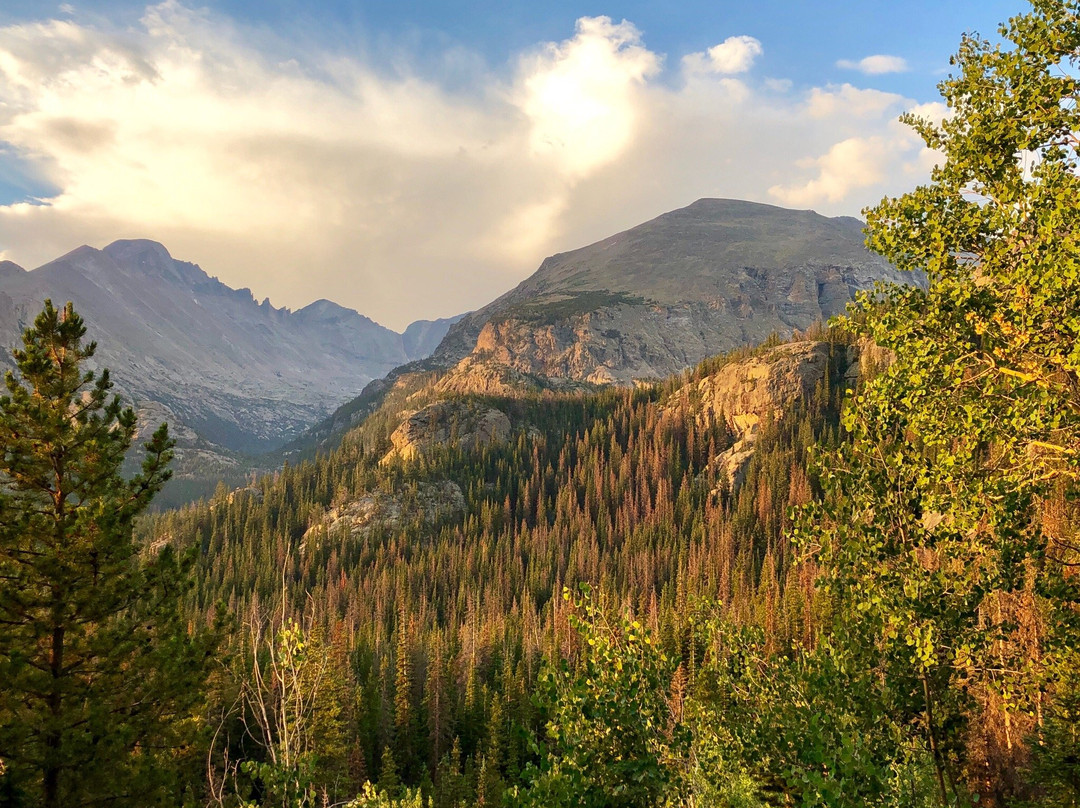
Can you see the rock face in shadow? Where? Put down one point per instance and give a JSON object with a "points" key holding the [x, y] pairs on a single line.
{"points": [[665, 295]]}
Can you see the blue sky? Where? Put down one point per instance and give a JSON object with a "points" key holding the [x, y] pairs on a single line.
{"points": [[800, 37], [333, 149]]}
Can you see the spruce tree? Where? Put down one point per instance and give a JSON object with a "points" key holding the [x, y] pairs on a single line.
{"points": [[98, 670]]}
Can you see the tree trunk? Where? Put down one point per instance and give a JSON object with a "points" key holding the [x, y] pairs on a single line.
{"points": [[54, 740], [939, 765]]}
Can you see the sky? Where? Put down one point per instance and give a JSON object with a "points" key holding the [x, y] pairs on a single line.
{"points": [[416, 159]]}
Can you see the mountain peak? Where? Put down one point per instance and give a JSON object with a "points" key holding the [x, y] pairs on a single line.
{"points": [[10, 268], [145, 258], [661, 296], [321, 308], [726, 203], [137, 250], [326, 311], [721, 207]]}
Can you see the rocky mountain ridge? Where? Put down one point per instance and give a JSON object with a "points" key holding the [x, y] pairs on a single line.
{"points": [[643, 305], [230, 375]]}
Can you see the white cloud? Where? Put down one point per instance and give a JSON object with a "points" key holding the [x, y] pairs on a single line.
{"points": [[850, 164], [320, 176], [736, 54], [846, 102], [582, 95], [876, 65], [863, 162]]}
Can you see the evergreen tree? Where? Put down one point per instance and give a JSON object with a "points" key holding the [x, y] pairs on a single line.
{"points": [[389, 782], [98, 671]]}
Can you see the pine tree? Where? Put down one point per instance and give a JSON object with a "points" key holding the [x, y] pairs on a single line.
{"points": [[389, 782], [98, 671], [404, 709]]}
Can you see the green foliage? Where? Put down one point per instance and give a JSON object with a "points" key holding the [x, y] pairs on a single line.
{"points": [[812, 726], [611, 736], [100, 676], [286, 785], [370, 797], [1056, 745], [935, 539]]}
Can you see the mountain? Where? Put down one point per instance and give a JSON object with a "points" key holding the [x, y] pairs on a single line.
{"points": [[642, 304], [229, 374], [421, 338], [664, 295], [10, 269]]}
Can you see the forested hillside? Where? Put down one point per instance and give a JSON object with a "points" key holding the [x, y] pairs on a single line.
{"points": [[442, 623]]}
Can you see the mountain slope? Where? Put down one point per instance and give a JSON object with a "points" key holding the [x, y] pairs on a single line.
{"points": [[421, 338], [664, 295]]}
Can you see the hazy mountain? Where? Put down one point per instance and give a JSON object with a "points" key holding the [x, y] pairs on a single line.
{"points": [[664, 295], [422, 337], [227, 372], [10, 269]]}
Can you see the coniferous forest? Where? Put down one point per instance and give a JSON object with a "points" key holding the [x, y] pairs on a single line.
{"points": [[881, 608]]}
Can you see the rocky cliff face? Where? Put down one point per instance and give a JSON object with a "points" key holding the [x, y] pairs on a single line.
{"points": [[747, 393], [664, 295], [463, 424], [427, 502]]}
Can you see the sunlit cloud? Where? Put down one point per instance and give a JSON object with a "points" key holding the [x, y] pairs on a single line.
{"points": [[581, 95], [860, 163], [876, 65], [735, 54], [322, 176]]}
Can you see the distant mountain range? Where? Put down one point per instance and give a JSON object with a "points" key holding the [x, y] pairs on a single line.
{"points": [[229, 374], [236, 378]]}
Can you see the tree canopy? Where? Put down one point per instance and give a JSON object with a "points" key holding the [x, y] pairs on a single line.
{"points": [[99, 671]]}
